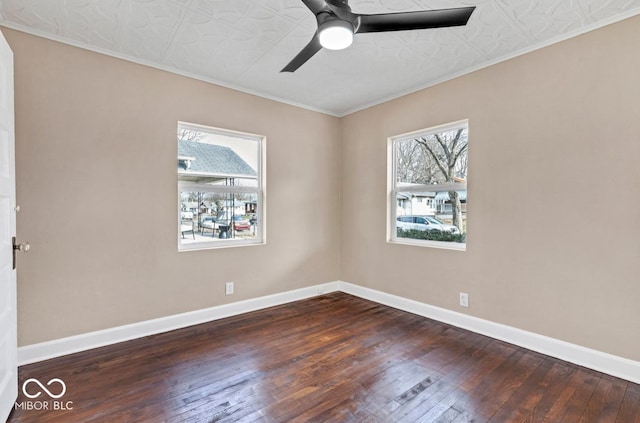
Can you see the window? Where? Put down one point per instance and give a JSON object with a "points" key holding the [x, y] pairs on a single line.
{"points": [[428, 187], [220, 188]]}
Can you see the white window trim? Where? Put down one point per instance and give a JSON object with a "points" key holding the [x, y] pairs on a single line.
{"points": [[260, 190], [393, 189]]}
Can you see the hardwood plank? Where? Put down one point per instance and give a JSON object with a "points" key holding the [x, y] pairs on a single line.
{"points": [[521, 403], [332, 358], [547, 391], [450, 390], [574, 398], [605, 401], [498, 385], [630, 407]]}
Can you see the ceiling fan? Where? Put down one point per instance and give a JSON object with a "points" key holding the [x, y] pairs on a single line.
{"points": [[337, 25]]}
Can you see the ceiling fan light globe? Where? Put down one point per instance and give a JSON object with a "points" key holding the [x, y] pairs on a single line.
{"points": [[336, 35]]}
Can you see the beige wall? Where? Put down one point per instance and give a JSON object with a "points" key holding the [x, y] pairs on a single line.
{"points": [[554, 207], [554, 221], [96, 180]]}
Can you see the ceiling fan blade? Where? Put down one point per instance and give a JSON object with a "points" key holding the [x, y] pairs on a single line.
{"points": [[305, 54], [316, 6], [414, 20]]}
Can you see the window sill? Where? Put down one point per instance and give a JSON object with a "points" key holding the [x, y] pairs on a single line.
{"points": [[199, 246], [455, 246]]}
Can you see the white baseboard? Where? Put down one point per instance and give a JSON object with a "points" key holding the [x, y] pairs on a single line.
{"points": [[593, 359], [582, 356], [59, 347]]}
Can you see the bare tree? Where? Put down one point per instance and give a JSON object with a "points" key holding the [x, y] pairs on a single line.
{"points": [[185, 134], [413, 166], [448, 152]]}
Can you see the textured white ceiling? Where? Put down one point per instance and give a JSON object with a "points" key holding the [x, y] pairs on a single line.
{"points": [[245, 43]]}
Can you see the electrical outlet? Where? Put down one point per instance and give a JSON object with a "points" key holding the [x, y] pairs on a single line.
{"points": [[464, 299], [228, 288]]}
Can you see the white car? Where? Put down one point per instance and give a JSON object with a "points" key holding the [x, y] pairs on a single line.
{"points": [[186, 215], [425, 223]]}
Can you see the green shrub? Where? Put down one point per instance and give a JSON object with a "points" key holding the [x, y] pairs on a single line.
{"points": [[431, 235]]}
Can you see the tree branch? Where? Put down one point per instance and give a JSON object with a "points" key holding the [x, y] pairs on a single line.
{"points": [[454, 144], [426, 146], [459, 153], [443, 145]]}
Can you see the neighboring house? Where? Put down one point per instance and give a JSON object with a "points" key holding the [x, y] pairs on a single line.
{"points": [[443, 203], [428, 203], [191, 206], [211, 164], [420, 203]]}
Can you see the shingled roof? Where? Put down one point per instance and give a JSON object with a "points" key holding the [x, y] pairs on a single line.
{"points": [[212, 159]]}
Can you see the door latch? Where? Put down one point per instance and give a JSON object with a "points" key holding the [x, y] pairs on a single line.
{"points": [[23, 246]]}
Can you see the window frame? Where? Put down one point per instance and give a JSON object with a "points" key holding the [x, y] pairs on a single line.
{"points": [[259, 190], [393, 190]]}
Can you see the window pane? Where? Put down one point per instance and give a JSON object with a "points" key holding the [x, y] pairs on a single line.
{"points": [[436, 216], [220, 187], [428, 180], [439, 158], [217, 217], [215, 159]]}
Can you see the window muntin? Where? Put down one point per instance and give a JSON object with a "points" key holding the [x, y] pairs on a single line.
{"points": [[428, 187], [220, 188]]}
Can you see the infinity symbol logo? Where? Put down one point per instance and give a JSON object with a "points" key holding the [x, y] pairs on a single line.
{"points": [[44, 388]]}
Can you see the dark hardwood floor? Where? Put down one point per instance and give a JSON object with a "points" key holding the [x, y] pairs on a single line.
{"points": [[334, 358]]}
